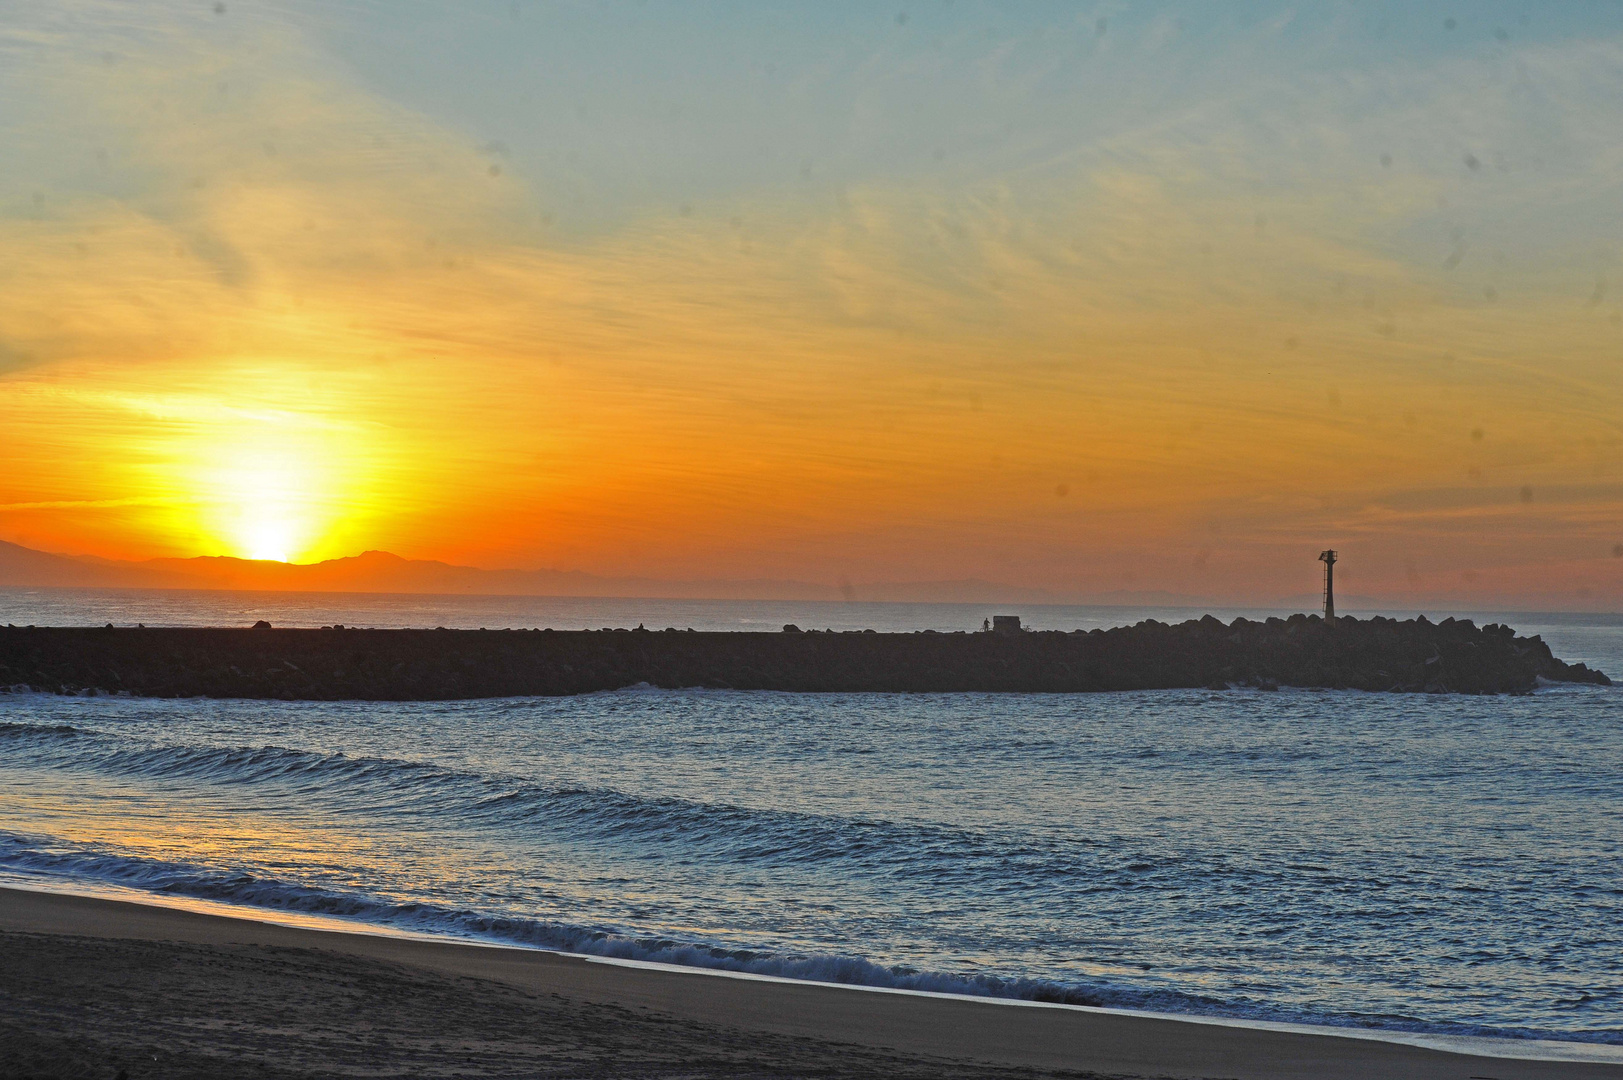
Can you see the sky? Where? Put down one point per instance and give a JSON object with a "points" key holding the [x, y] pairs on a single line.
{"points": [[1095, 298]]}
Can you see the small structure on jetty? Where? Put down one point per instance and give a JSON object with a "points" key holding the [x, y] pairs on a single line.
{"points": [[1005, 624], [1328, 558]]}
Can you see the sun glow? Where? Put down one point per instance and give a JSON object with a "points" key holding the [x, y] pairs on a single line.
{"points": [[270, 539], [266, 505], [269, 484]]}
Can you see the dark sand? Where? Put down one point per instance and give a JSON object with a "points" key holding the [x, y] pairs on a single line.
{"points": [[90, 987]]}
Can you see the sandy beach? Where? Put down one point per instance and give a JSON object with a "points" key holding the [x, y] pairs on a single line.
{"points": [[95, 987]]}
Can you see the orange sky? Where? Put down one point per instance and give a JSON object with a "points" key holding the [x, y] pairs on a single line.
{"points": [[256, 303]]}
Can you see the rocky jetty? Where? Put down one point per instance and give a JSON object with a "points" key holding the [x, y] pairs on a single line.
{"points": [[1416, 656]]}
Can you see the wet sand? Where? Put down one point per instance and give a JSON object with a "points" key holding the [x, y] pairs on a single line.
{"points": [[92, 987]]}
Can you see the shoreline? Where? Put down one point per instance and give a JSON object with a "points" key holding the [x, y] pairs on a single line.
{"points": [[996, 1032]]}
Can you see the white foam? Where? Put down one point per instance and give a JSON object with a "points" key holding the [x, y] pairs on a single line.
{"points": [[1470, 1045]]}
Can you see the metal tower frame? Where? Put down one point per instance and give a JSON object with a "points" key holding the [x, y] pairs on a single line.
{"points": [[1328, 558]]}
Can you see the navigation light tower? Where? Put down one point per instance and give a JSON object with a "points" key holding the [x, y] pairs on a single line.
{"points": [[1328, 558]]}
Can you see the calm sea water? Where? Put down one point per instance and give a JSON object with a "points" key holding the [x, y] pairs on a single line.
{"points": [[1440, 864]]}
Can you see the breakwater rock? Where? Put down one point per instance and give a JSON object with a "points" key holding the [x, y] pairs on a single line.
{"points": [[403, 665]]}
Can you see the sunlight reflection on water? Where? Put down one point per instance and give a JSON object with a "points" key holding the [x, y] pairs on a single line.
{"points": [[1447, 863]]}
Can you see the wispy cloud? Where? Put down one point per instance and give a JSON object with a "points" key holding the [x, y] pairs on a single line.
{"points": [[1269, 302]]}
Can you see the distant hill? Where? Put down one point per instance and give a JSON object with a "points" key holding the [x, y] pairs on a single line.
{"points": [[25, 566], [382, 572]]}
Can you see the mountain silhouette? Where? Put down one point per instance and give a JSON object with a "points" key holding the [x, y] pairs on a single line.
{"points": [[385, 572]]}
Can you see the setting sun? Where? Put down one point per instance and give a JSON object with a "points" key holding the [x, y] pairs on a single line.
{"points": [[270, 540], [258, 500], [264, 509]]}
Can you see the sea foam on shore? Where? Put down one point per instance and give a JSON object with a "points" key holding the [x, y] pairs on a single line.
{"points": [[1293, 856]]}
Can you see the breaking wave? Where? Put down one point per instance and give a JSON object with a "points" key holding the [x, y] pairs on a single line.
{"points": [[716, 831], [1320, 859]]}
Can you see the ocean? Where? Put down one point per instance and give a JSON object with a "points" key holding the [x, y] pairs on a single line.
{"points": [[1437, 864]]}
